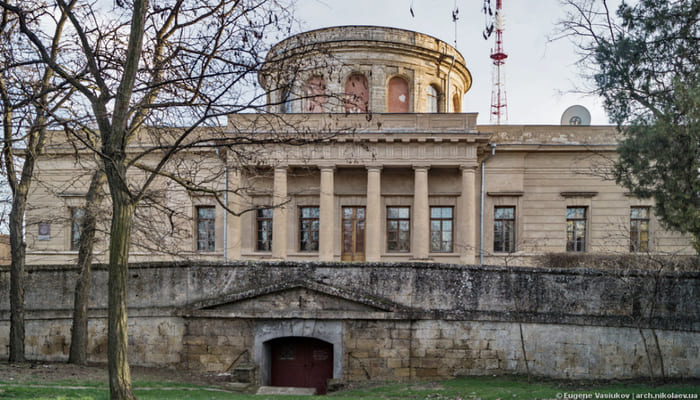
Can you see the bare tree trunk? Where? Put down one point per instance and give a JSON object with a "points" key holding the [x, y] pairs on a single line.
{"points": [[17, 273], [659, 355], [79, 329], [117, 343], [646, 351], [20, 189]]}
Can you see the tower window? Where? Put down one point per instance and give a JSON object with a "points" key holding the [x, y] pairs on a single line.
{"points": [[315, 93], [432, 99], [356, 94], [397, 98]]}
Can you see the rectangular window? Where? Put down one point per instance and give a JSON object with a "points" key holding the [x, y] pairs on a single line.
{"points": [[504, 229], [308, 228], [76, 227], [441, 229], [398, 229], [263, 222], [206, 228], [639, 229], [576, 229]]}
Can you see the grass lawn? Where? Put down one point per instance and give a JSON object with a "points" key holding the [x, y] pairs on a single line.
{"points": [[462, 388]]}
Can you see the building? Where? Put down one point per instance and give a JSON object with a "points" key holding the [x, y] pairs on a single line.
{"points": [[355, 227], [391, 170], [5, 255]]}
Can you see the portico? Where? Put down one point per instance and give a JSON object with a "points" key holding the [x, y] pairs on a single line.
{"points": [[374, 196]]}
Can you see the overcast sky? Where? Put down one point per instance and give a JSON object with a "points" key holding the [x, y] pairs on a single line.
{"points": [[541, 76]]}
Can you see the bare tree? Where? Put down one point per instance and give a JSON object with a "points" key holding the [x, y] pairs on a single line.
{"points": [[182, 63], [79, 328], [29, 93]]}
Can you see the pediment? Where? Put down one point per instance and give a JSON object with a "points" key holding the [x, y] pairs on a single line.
{"points": [[299, 298]]}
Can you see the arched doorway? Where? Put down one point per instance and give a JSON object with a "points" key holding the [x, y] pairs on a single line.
{"points": [[300, 362]]}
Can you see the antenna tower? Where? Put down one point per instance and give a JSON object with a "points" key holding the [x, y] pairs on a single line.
{"points": [[494, 21]]}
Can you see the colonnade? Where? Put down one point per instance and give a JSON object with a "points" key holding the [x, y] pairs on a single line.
{"points": [[465, 221]]}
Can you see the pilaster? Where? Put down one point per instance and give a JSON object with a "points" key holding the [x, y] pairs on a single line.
{"points": [[234, 202], [279, 214], [373, 239], [327, 214], [467, 215], [420, 242]]}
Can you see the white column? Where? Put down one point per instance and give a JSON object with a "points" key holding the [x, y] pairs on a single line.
{"points": [[279, 214], [327, 215], [234, 202], [373, 238], [420, 243], [467, 215]]}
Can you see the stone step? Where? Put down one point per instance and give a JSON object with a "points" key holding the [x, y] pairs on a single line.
{"points": [[276, 390]]}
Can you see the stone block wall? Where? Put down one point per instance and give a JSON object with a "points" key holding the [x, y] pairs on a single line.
{"points": [[217, 345], [380, 350], [153, 341], [438, 321]]}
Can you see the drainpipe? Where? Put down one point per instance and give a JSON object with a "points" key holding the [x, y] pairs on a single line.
{"points": [[481, 206], [447, 89], [226, 213], [218, 153]]}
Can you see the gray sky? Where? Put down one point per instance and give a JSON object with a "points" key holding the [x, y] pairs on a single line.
{"points": [[540, 75]]}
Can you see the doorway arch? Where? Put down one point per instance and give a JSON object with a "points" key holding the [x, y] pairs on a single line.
{"points": [[300, 362]]}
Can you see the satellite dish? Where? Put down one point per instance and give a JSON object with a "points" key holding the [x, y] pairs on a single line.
{"points": [[576, 115]]}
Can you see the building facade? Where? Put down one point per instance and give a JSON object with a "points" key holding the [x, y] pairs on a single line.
{"points": [[390, 170]]}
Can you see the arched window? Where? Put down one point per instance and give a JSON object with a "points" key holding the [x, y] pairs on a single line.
{"points": [[397, 97], [315, 92], [432, 97], [456, 103], [356, 94]]}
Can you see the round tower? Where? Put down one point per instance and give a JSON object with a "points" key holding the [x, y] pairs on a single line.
{"points": [[357, 69]]}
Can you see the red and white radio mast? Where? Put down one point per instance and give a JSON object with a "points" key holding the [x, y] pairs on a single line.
{"points": [[499, 110]]}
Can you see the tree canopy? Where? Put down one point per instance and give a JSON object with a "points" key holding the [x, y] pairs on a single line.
{"points": [[645, 66]]}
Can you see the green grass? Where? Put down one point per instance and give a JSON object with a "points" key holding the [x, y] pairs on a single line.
{"points": [[504, 388]]}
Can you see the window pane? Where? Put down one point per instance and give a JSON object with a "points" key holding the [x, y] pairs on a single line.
{"points": [[392, 212], [435, 241], [504, 213], [403, 212], [447, 225], [575, 212], [435, 212], [404, 226], [447, 236]]}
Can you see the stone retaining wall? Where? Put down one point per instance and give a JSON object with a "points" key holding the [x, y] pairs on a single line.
{"points": [[387, 322]]}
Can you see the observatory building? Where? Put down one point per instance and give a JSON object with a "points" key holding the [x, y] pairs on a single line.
{"points": [[364, 227], [392, 170]]}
